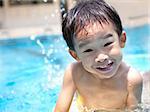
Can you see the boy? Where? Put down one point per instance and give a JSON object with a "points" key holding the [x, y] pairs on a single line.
{"points": [[101, 81]]}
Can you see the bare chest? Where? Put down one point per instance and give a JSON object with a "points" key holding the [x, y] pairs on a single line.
{"points": [[103, 95]]}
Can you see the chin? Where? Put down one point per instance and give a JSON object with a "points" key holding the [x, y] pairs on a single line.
{"points": [[106, 76]]}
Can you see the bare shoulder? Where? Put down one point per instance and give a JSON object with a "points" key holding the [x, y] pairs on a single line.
{"points": [[73, 70], [134, 77], [135, 84], [69, 71]]}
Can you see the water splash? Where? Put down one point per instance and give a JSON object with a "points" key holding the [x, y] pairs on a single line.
{"points": [[53, 56]]}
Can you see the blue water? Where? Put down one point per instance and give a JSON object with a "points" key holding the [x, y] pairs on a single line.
{"points": [[31, 68], [137, 48]]}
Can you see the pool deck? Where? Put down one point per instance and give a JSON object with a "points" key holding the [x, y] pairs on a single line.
{"points": [[52, 29], [29, 31], [21, 21], [26, 20]]}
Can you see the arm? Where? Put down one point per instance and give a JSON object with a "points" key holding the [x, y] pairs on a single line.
{"points": [[67, 92], [134, 89]]}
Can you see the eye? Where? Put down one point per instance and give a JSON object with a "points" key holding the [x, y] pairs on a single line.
{"points": [[107, 44], [88, 50]]}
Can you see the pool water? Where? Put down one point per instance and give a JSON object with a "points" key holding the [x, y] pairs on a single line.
{"points": [[31, 68], [137, 48]]}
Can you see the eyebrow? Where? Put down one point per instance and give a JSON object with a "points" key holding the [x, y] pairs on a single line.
{"points": [[88, 40]]}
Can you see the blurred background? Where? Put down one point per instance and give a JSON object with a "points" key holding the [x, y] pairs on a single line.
{"points": [[44, 15], [33, 54]]}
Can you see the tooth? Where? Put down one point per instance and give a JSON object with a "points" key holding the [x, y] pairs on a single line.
{"points": [[109, 61], [103, 66]]}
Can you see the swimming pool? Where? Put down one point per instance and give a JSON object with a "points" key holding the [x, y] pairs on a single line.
{"points": [[31, 68]]}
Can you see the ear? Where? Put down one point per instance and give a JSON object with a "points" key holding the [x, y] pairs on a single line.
{"points": [[73, 54], [123, 39]]}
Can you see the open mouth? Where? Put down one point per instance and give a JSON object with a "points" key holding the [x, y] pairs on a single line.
{"points": [[106, 67]]}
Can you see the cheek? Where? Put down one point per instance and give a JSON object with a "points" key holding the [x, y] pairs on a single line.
{"points": [[116, 51], [87, 59]]}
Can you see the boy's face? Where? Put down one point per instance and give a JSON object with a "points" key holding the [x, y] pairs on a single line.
{"points": [[99, 49]]}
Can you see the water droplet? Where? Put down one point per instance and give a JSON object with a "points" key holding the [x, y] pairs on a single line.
{"points": [[32, 37]]}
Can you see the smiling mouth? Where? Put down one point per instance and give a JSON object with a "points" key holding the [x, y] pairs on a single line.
{"points": [[106, 67]]}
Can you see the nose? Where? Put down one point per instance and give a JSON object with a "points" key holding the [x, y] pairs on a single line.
{"points": [[101, 58]]}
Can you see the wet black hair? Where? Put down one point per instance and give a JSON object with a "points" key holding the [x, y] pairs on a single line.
{"points": [[85, 12]]}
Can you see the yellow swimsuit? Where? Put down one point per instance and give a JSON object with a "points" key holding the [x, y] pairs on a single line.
{"points": [[80, 105], [81, 108]]}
